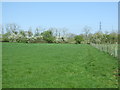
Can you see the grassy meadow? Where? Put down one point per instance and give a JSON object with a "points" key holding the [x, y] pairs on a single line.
{"points": [[57, 66]]}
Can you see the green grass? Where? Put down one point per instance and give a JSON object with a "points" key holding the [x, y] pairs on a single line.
{"points": [[0, 65], [57, 66]]}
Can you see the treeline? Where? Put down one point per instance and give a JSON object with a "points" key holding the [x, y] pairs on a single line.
{"points": [[13, 33]]}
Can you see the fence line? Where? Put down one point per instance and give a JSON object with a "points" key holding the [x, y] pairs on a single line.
{"points": [[112, 49]]}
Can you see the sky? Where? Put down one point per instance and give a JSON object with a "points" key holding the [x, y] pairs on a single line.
{"points": [[71, 15]]}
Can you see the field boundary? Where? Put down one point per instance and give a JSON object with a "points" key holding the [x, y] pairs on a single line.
{"points": [[111, 49]]}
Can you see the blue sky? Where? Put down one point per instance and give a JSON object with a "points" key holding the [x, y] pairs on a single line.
{"points": [[71, 15]]}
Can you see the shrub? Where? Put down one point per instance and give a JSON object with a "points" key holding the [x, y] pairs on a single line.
{"points": [[5, 37], [48, 36], [78, 39]]}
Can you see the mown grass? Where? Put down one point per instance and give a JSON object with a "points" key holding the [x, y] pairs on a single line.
{"points": [[57, 66], [0, 65]]}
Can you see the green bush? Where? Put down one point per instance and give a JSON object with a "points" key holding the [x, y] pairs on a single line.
{"points": [[48, 36], [22, 40], [5, 37], [37, 40], [78, 39]]}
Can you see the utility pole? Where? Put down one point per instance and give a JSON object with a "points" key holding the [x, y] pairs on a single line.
{"points": [[100, 32], [100, 27], [112, 28]]}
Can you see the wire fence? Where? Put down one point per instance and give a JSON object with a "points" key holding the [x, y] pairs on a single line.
{"points": [[112, 49]]}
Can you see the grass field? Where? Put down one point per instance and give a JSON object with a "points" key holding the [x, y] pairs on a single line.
{"points": [[57, 66]]}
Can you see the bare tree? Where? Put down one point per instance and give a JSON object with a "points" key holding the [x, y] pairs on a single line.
{"points": [[86, 30], [59, 33], [1, 29], [12, 28], [56, 31], [64, 30], [37, 32], [30, 32]]}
